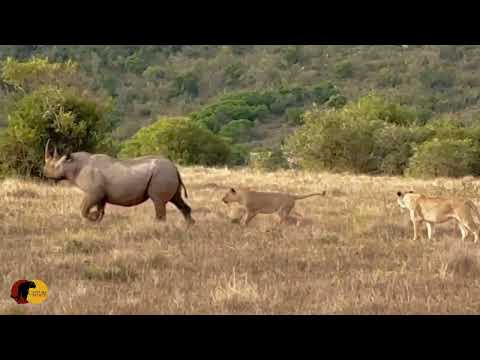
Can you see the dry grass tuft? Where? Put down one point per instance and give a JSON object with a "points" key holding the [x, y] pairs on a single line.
{"points": [[350, 252], [464, 265]]}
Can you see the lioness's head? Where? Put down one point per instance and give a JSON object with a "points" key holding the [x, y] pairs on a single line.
{"points": [[54, 167], [231, 196], [401, 198]]}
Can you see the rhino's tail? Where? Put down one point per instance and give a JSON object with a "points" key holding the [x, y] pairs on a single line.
{"points": [[182, 184]]}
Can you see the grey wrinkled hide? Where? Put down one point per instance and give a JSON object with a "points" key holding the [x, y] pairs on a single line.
{"points": [[106, 180]]}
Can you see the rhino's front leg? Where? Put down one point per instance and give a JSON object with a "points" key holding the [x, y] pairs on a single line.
{"points": [[99, 213], [88, 203]]}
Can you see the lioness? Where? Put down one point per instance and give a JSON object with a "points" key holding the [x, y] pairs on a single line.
{"points": [[433, 210], [264, 202]]}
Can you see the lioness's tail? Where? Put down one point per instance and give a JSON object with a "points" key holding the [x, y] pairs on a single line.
{"points": [[474, 209], [310, 195], [182, 184]]}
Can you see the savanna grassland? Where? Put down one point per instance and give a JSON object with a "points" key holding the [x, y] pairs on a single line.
{"points": [[351, 254]]}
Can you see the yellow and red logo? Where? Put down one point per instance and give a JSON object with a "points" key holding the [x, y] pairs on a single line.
{"points": [[29, 291]]}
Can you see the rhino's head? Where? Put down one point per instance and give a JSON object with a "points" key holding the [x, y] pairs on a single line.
{"points": [[55, 164]]}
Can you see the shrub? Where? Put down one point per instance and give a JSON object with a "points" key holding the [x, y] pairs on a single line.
{"points": [[334, 140], [153, 73], [269, 160], [281, 103], [323, 92], [444, 157], [179, 139], [344, 70], [238, 130], [239, 155], [36, 72], [336, 101], [72, 124], [374, 107], [217, 115], [185, 85], [437, 79], [294, 115], [394, 147], [233, 73], [360, 137]]}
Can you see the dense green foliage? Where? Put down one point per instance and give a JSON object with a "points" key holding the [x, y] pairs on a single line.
{"points": [[179, 139], [257, 105], [148, 81], [375, 136], [40, 108], [251, 97]]}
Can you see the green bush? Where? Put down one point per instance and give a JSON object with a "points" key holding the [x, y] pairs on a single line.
{"points": [[72, 124], [388, 77], [268, 160], [154, 72], [295, 115], [444, 157], [179, 139], [375, 107], [361, 137], [437, 79], [334, 140], [394, 145], [292, 54], [239, 156], [344, 70], [238, 130], [323, 92], [336, 101], [187, 84], [281, 103], [233, 73]]}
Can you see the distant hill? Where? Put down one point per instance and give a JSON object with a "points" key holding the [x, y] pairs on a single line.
{"points": [[149, 81]]}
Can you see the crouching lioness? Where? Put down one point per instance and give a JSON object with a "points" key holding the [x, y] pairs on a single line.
{"points": [[264, 202], [431, 210]]}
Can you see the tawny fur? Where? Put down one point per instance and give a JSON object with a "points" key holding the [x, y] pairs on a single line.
{"points": [[435, 210], [256, 203]]}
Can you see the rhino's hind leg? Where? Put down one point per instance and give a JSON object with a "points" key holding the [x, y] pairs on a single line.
{"points": [[182, 206], [160, 209]]}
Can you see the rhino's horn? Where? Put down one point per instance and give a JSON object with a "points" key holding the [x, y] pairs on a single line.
{"points": [[55, 152], [47, 153]]}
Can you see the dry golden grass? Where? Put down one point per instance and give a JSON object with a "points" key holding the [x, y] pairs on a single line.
{"points": [[352, 254]]}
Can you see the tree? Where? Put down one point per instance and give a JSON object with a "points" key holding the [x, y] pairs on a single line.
{"points": [[179, 139], [72, 124], [238, 130], [26, 76], [51, 101], [444, 157], [351, 138]]}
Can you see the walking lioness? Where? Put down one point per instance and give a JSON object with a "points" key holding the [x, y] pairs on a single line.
{"points": [[264, 202], [433, 210]]}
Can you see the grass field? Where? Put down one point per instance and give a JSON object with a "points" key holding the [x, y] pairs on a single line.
{"points": [[352, 254]]}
